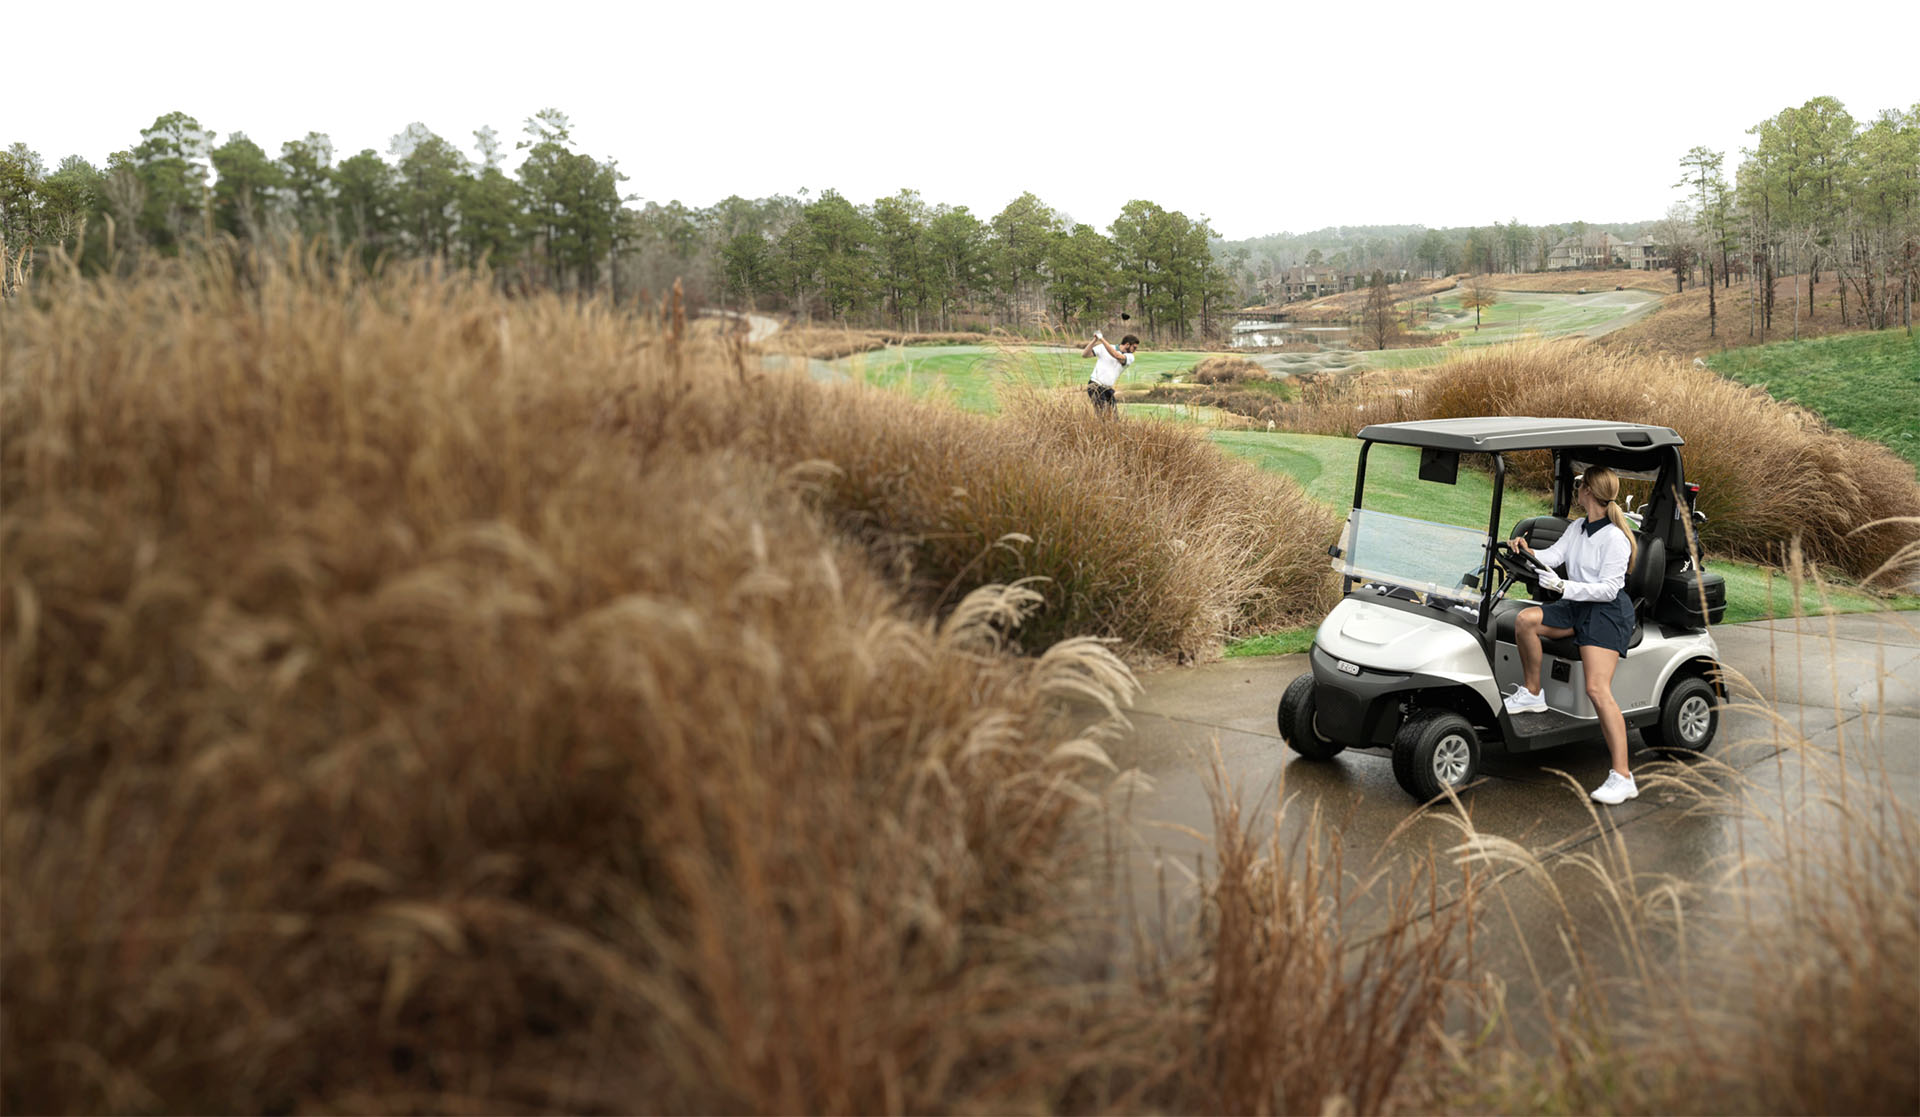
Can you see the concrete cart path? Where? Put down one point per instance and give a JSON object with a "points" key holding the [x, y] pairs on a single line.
{"points": [[1848, 687]]}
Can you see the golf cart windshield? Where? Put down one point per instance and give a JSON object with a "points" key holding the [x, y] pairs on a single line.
{"points": [[1421, 555]]}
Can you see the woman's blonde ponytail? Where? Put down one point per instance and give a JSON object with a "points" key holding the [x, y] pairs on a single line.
{"points": [[1604, 484]]}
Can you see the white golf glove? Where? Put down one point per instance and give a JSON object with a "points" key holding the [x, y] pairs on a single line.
{"points": [[1551, 581], [1098, 336]]}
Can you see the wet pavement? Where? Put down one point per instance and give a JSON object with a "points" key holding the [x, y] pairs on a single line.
{"points": [[1826, 717]]}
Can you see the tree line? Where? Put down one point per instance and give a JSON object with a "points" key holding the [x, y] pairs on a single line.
{"points": [[1819, 195], [559, 221], [1255, 263]]}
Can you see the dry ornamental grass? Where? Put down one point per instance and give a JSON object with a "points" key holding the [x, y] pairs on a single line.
{"points": [[420, 700], [827, 343], [1226, 368]]}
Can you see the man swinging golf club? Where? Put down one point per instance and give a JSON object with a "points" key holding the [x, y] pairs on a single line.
{"points": [[1106, 370]]}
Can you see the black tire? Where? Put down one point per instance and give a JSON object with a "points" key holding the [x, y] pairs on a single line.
{"points": [[1689, 717], [1434, 750], [1296, 722]]}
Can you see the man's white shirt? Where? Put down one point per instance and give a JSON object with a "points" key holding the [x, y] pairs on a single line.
{"points": [[1106, 370]]}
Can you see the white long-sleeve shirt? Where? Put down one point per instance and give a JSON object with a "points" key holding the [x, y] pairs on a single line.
{"points": [[1596, 561]]}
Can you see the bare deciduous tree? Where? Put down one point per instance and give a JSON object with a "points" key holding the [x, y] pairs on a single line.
{"points": [[1378, 321], [1479, 293]]}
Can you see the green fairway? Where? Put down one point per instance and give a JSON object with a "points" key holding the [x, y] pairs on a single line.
{"points": [[1755, 593], [1422, 357], [971, 375], [1520, 314], [1517, 315], [1867, 383], [1324, 467]]}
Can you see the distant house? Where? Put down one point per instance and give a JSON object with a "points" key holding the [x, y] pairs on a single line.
{"points": [[1646, 254], [1601, 249], [1591, 249], [1301, 282]]}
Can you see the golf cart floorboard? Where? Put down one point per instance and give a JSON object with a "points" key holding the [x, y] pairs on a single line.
{"points": [[1544, 729]]}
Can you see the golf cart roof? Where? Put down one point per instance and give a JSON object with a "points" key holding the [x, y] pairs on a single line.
{"points": [[1488, 434]]}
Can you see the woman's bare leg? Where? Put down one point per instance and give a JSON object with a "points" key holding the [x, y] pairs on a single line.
{"points": [[1527, 631], [1600, 663]]}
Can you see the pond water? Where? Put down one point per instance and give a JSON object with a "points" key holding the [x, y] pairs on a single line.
{"points": [[1255, 335]]}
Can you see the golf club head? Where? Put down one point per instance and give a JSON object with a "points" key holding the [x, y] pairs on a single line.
{"points": [[1125, 317]]}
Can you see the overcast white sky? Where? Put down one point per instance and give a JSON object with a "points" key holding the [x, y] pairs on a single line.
{"points": [[1264, 118]]}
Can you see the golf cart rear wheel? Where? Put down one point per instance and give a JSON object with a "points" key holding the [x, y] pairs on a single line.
{"points": [[1297, 725], [1435, 750], [1688, 718]]}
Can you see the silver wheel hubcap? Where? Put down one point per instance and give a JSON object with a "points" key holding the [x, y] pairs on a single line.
{"points": [[1695, 717], [1450, 758]]}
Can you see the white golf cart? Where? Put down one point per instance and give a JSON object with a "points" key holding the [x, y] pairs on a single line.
{"points": [[1417, 655]]}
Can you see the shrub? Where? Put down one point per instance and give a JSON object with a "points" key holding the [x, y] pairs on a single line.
{"points": [[829, 342], [1227, 368], [1260, 400], [388, 727], [1140, 531]]}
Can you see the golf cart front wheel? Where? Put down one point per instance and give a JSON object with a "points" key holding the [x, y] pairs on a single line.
{"points": [[1688, 718], [1297, 726], [1435, 750]]}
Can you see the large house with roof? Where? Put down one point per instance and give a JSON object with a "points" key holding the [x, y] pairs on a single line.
{"points": [[1301, 282], [1598, 248]]}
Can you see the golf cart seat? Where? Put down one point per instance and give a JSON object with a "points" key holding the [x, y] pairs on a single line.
{"points": [[1644, 579], [1540, 531]]}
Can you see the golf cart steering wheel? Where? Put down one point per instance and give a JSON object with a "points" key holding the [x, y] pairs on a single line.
{"points": [[1515, 562]]}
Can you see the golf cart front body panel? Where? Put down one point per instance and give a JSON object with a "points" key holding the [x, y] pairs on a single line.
{"points": [[1391, 650], [1360, 706], [1408, 640]]}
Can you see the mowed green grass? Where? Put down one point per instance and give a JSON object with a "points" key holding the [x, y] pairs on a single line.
{"points": [[1517, 315], [1526, 313], [1422, 357], [1325, 466], [970, 376], [1866, 383]]}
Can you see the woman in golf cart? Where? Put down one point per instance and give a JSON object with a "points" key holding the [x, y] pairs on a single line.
{"points": [[1593, 608]]}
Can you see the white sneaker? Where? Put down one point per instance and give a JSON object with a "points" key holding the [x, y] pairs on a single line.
{"points": [[1524, 701], [1618, 789]]}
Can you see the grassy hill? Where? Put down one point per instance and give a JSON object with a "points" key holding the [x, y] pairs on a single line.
{"points": [[1525, 314], [1679, 327], [1570, 282], [1864, 383]]}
